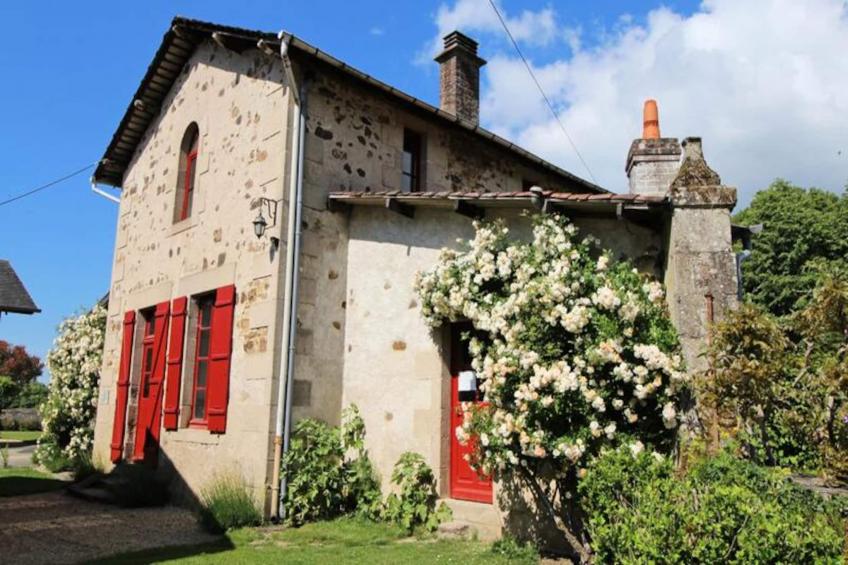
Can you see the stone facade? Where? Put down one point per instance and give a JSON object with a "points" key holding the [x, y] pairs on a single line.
{"points": [[360, 337]]}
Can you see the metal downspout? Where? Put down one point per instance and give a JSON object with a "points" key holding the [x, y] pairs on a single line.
{"points": [[287, 341]]}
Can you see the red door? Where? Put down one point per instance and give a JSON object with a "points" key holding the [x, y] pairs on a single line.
{"points": [[465, 483]]}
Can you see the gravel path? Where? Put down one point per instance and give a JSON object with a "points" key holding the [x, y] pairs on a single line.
{"points": [[21, 455], [57, 528]]}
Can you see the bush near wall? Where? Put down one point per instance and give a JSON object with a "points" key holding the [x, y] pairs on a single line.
{"points": [[721, 510], [20, 419]]}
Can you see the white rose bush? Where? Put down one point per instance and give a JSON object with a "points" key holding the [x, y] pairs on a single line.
{"points": [[68, 414], [575, 354]]}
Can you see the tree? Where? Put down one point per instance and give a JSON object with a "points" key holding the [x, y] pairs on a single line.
{"points": [[803, 230], [69, 411], [18, 371], [577, 356]]}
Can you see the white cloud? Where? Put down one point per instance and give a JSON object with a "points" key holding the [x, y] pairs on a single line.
{"points": [[764, 82], [377, 31], [538, 28]]}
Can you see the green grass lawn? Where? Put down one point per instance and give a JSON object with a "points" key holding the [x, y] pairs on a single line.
{"points": [[338, 542], [20, 435], [23, 480]]}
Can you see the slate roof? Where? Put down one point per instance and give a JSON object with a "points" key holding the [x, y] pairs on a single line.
{"points": [[13, 295], [185, 35]]}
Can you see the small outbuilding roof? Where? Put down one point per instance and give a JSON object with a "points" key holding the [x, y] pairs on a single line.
{"points": [[13, 295], [177, 46]]}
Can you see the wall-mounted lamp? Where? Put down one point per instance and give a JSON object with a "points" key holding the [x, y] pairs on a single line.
{"points": [[260, 224]]}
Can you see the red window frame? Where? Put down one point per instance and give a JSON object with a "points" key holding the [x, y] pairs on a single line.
{"points": [[188, 186], [147, 352], [203, 326]]}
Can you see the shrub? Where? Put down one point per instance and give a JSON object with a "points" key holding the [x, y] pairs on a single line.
{"points": [[786, 381], [514, 551], [328, 472], [86, 466], [228, 504], [576, 353], [50, 456], [69, 410], [415, 505], [723, 510]]}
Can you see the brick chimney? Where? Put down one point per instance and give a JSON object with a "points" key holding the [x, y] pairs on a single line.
{"points": [[459, 70], [652, 161]]}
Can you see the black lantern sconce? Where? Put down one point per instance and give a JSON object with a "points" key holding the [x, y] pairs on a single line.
{"points": [[260, 224]]}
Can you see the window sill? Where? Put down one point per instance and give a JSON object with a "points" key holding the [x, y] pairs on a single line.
{"points": [[182, 225], [192, 435]]}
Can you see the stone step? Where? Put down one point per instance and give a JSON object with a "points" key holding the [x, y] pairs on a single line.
{"points": [[482, 519]]}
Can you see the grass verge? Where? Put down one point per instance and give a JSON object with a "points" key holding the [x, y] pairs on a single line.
{"points": [[20, 435], [16, 481], [344, 540]]}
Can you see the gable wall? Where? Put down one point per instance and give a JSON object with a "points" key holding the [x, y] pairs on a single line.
{"points": [[238, 103]]}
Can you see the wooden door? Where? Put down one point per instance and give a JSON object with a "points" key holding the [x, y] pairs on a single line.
{"points": [[465, 483]]}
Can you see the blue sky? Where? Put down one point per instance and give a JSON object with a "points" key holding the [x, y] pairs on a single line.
{"points": [[71, 67]]}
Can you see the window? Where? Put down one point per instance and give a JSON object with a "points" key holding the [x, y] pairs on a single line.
{"points": [[203, 333], [187, 172], [411, 163], [147, 352]]}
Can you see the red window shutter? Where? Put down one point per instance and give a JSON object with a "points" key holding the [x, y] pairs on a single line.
{"points": [[173, 370], [150, 408], [123, 387], [220, 349]]}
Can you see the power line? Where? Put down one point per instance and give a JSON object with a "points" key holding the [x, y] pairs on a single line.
{"points": [[541, 90], [48, 185]]}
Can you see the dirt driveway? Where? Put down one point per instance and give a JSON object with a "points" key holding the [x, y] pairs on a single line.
{"points": [[57, 528]]}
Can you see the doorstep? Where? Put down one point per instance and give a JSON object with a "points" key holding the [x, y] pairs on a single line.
{"points": [[484, 519]]}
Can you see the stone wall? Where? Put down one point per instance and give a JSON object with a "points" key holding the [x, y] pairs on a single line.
{"points": [[395, 367], [240, 105]]}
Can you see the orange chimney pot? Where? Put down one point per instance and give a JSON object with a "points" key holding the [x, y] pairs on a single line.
{"points": [[651, 120]]}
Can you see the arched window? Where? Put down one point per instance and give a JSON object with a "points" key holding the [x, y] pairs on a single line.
{"points": [[188, 170]]}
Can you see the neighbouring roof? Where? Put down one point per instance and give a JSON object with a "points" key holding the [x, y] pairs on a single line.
{"points": [[634, 206], [13, 295], [185, 35]]}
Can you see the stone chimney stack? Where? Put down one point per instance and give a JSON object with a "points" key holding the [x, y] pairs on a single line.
{"points": [[652, 161], [459, 70]]}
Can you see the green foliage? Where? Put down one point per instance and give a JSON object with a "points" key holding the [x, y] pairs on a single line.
{"points": [[86, 466], [49, 455], [803, 230], [415, 504], [69, 411], [514, 551], [786, 379], [756, 374], [328, 472], [723, 510], [228, 504], [574, 352]]}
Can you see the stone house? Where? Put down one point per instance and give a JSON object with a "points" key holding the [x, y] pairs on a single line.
{"points": [[275, 206]]}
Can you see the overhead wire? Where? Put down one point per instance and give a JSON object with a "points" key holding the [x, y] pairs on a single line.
{"points": [[541, 90], [48, 185]]}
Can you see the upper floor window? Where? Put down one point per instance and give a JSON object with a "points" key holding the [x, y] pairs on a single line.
{"points": [[411, 162], [188, 171]]}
